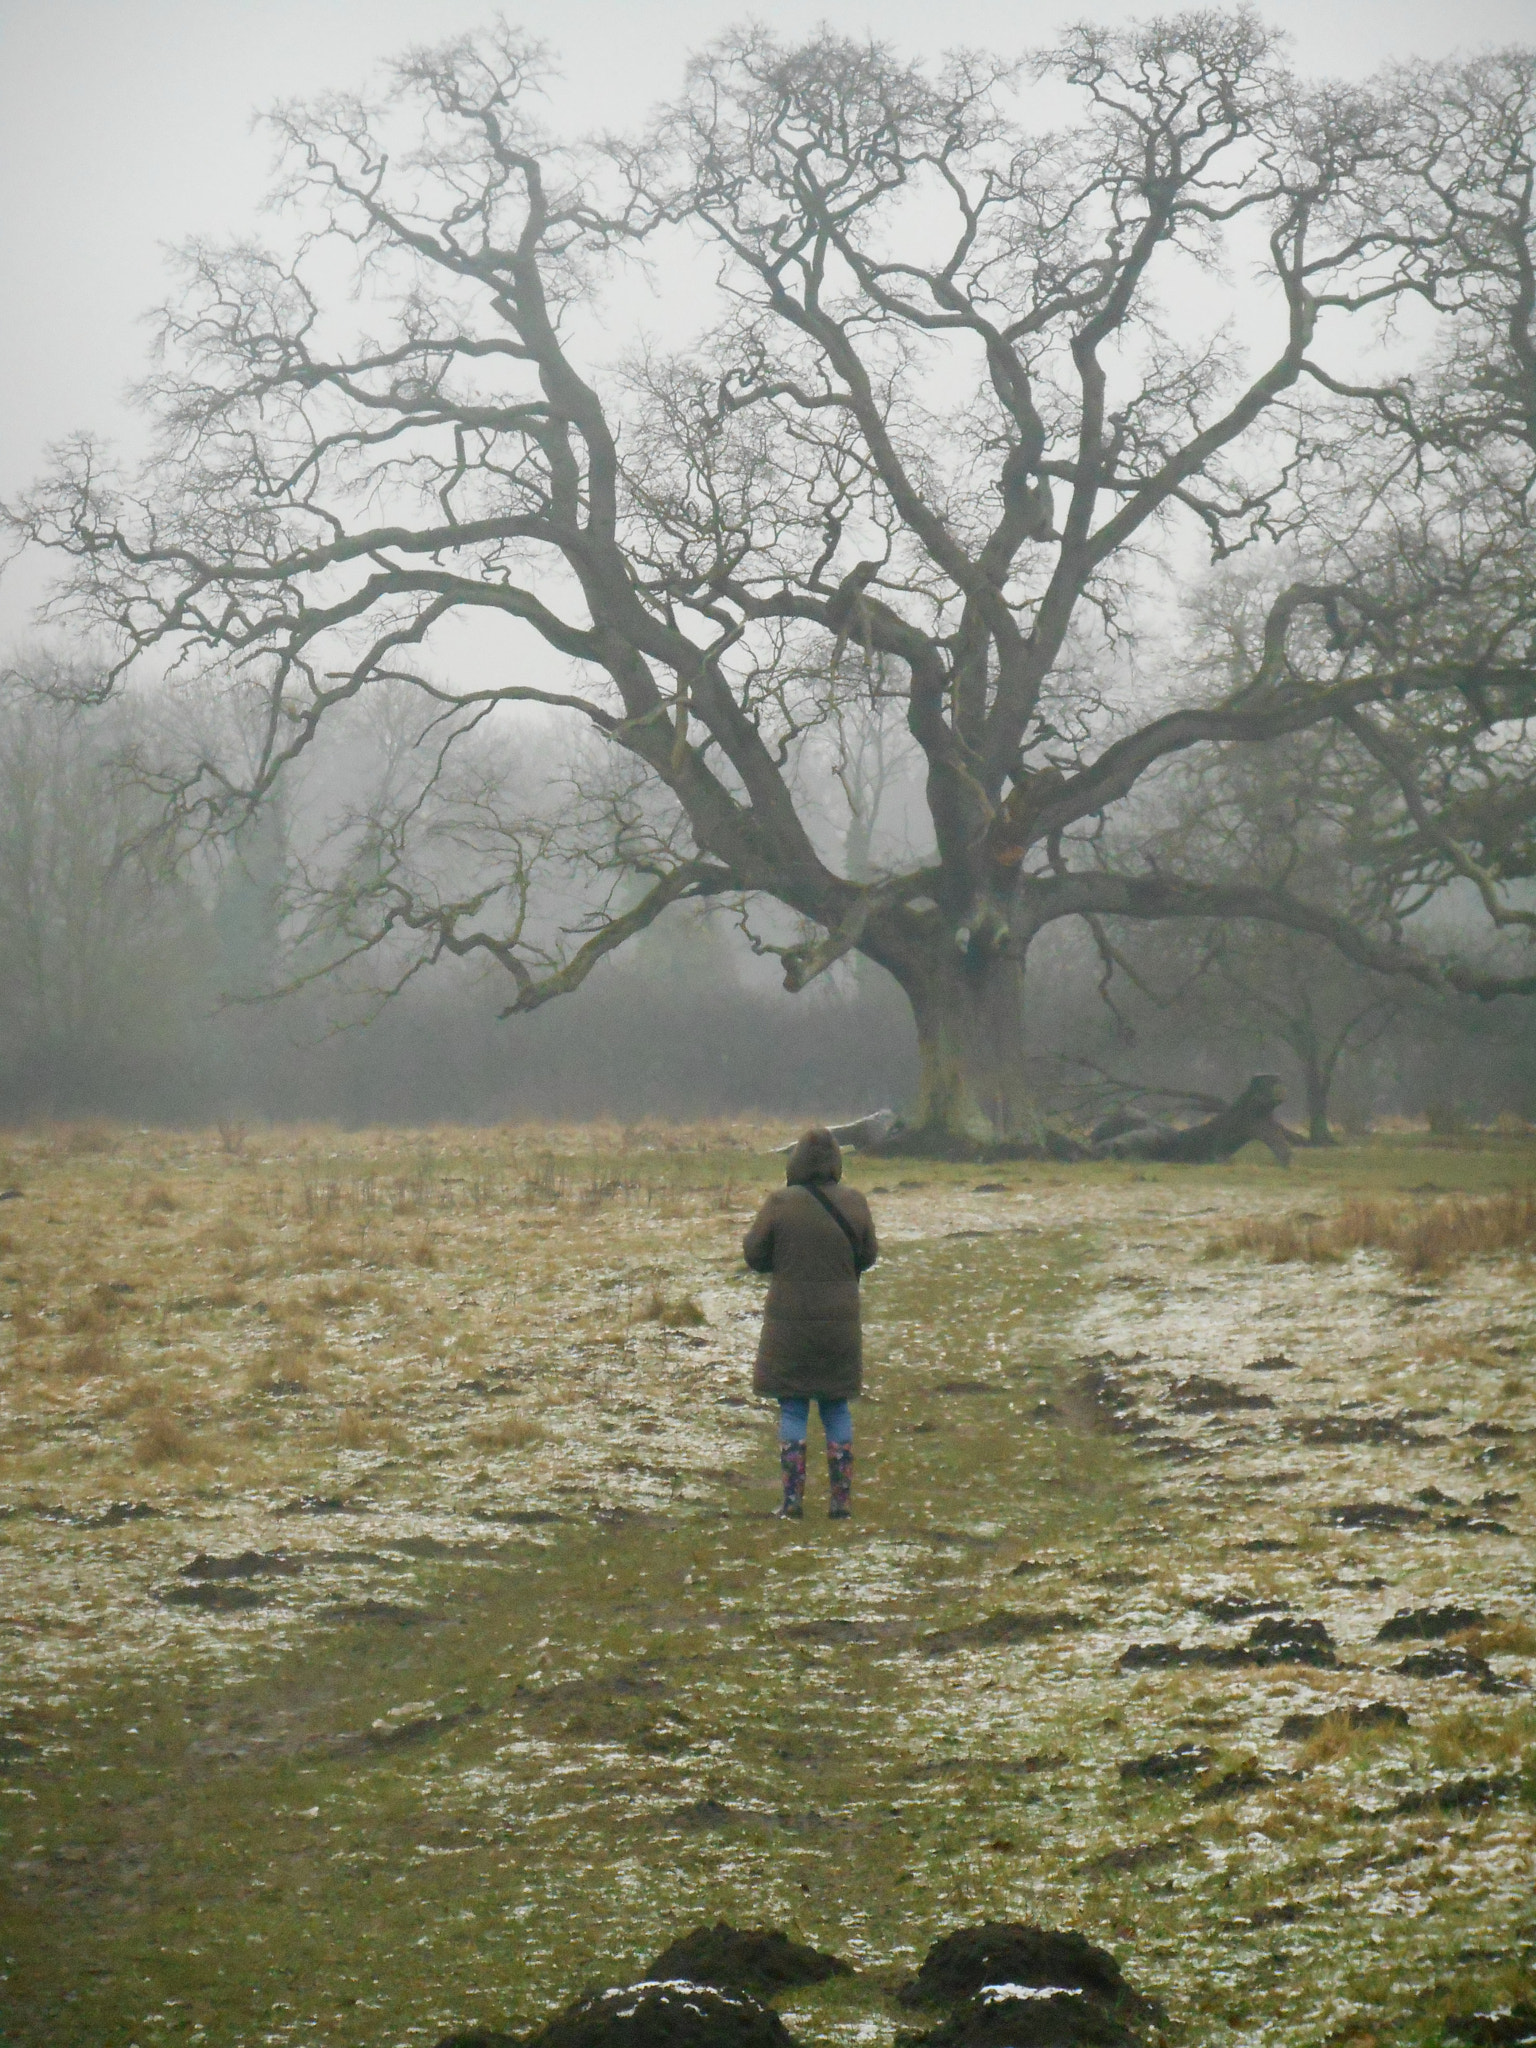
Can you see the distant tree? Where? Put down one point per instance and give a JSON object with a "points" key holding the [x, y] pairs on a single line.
{"points": [[101, 941], [940, 416], [1251, 981]]}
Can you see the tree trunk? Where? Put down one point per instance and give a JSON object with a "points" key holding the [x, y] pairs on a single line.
{"points": [[1316, 1080], [1316, 1076], [973, 1095]]}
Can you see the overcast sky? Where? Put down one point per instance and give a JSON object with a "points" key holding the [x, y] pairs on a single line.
{"points": [[125, 125]]}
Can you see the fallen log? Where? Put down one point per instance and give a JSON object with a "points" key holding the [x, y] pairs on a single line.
{"points": [[864, 1134], [1251, 1116]]}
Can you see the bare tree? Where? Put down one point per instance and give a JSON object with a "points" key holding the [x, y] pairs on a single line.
{"points": [[939, 417], [101, 942], [1253, 980]]}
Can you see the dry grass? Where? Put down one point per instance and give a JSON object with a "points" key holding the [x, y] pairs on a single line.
{"points": [[1425, 1237], [1499, 1639], [510, 1433], [84, 1139], [230, 1235], [82, 1318], [673, 1312], [282, 1370], [318, 1253], [91, 1357], [157, 1200], [1465, 1737], [357, 1431], [163, 1441], [1336, 1737], [422, 1251], [25, 1321], [351, 1294], [138, 1394]]}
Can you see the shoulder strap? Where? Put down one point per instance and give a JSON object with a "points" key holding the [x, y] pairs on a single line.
{"points": [[839, 1219]]}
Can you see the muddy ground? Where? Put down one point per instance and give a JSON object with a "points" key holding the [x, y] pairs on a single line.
{"points": [[396, 1636]]}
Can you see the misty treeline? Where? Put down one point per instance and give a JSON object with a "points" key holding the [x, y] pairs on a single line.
{"points": [[1034, 558], [140, 971]]}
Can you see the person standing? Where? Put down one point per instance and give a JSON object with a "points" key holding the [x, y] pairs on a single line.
{"points": [[816, 1238]]}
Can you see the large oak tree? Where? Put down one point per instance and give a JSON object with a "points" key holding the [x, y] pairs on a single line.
{"points": [[959, 392]]}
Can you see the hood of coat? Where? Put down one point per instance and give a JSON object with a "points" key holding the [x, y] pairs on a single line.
{"points": [[815, 1157]]}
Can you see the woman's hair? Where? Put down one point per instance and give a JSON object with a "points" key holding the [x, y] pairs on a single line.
{"points": [[815, 1157]]}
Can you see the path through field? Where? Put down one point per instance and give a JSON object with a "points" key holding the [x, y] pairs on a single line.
{"points": [[397, 1636]]}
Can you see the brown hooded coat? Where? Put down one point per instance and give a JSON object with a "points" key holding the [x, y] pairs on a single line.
{"points": [[811, 1341]]}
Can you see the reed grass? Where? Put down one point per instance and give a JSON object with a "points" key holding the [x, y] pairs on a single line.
{"points": [[1424, 1237]]}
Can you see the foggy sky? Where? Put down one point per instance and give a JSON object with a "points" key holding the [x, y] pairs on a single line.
{"points": [[125, 126]]}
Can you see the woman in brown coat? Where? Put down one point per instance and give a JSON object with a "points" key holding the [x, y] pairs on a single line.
{"points": [[815, 1237]]}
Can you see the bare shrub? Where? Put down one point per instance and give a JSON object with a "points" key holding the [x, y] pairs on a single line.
{"points": [[548, 1180], [157, 1200]]}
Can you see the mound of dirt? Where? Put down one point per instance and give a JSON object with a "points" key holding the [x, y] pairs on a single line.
{"points": [[1424, 1624], [1236, 1607], [1439, 1663], [675, 2014], [1028, 2016], [1200, 1394], [214, 1595], [762, 1961], [1375, 1514], [1282, 1640], [1006, 1626], [1274, 1640], [1512, 2026], [1459, 1795], [1379, 1714], [248, 1564], [1187, 1761], [477, 2037], [1013, 1953], [1234, 1785]]}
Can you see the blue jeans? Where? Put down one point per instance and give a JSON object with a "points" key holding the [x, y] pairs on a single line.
{"points": [[795, 1420]]}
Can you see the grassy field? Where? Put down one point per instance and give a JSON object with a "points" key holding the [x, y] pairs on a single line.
{"points": [[396, 1634]]}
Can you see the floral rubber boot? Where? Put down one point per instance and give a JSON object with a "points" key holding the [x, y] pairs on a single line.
{"points": [[792, 1461], [840, 1475]]}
